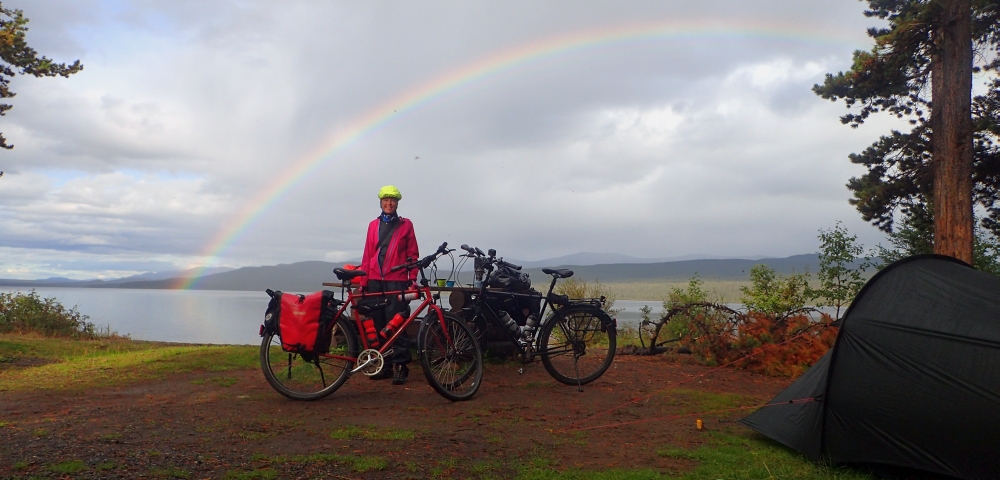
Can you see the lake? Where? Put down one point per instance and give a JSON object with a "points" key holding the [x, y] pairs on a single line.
{"points": [[203, 316], [197, 316]]}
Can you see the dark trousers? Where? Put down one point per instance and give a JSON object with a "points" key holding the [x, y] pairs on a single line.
{"points": [[401, 348]]}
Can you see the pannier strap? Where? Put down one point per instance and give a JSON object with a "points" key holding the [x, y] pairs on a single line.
{"points": [[559, 272], [348, 274]]}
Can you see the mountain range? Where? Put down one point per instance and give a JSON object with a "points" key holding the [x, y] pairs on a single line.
{"points": [[309, 276]]}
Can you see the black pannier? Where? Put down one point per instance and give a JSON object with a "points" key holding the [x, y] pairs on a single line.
{"points": [[508, 279]]}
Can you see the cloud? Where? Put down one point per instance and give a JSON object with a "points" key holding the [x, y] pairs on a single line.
{"points": [[189, 112]]}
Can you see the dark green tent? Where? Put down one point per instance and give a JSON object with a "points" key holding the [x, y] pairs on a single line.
{"points": [[912, 380]]}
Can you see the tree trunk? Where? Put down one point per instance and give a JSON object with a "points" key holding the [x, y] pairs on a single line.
{"points": [[951, 123]]}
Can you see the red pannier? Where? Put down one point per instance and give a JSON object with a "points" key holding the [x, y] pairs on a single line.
{"points": [[304, 321]]}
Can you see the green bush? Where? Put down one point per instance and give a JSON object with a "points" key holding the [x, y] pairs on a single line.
{"points": [[574, 288], [775, 295], [24, 313]]}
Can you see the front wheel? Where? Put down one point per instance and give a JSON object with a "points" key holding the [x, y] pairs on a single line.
{"points": [[300, 378], [578, 344], [450, 356]]}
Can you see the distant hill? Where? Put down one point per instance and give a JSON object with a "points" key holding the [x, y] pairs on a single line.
{"points": [[592, 258], [173, 275], [309, 276], [728, 269], [291, 277]]}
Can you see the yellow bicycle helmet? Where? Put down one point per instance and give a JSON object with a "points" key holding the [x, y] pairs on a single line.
{"points": [[389, 191]]}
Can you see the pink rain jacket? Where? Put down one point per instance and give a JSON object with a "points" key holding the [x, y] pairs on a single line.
{"points": [[402, 244]]}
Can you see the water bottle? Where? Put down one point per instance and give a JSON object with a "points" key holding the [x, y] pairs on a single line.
{"points": [[511, 324], [393, 325], [406, 297], [370, 334], [529, 326]]}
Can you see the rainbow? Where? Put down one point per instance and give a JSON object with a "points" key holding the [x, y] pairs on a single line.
{"points": [[505, 60]]}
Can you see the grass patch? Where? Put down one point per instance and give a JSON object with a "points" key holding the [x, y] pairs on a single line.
{"points": [[695, 401], [84, 364], [735, 457], [224, 381], [249, 436], [169, 473], [360, 464], [264, 474], [21, 465], [370, 433], [72, 466]]}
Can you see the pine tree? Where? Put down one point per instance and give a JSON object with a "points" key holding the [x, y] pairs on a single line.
{"points": [[921, 69], [16, 57]]}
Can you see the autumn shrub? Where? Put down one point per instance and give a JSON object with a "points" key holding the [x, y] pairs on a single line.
{"points": [[24, 313], [776, 334]]}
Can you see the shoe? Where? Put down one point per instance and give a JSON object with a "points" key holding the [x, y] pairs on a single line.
{"points": [[399, 374], [384, 374]]}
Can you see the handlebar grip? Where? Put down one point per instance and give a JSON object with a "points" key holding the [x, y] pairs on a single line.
{"points": [[511, 265], [443, 248], [467, 248], [397, 267]]}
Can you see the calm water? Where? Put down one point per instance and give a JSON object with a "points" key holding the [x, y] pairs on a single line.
{"points": [[204, 316], [195, 316]]}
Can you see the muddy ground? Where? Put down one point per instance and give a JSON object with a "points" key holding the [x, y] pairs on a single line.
{"points": [[232, 424]]}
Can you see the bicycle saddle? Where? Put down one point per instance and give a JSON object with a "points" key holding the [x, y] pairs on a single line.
{"points": [[348, 274], [559, 272]]}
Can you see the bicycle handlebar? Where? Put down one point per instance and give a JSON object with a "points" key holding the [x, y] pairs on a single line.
{"points": [[423, 262], [492, 257]]}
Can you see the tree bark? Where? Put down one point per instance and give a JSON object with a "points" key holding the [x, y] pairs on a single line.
{"points": [[951, 123]]}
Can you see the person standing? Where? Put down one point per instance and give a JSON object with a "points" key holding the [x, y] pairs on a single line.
{"points": [[389, 243]]}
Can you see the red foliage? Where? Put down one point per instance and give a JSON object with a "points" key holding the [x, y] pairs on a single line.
{"points": [[759, 343]]}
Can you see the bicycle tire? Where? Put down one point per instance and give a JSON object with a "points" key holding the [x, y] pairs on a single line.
{"points": [[450, 356], [578, 344], [300, 379]]}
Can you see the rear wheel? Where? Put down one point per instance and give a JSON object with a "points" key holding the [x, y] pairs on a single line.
{"points": [[450, 356], [301, 378], [578, 344]]}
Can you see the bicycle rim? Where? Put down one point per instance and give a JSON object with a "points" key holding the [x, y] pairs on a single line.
{"points": [[299, 378], [450, 357], [578, 345]]}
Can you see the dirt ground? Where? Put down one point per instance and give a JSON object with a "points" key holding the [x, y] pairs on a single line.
{"points": [[232, 424]]}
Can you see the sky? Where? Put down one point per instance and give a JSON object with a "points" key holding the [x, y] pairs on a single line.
{"points": [[237, 133]]}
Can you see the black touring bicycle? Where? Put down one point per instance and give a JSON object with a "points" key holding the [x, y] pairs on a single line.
{"points": [[576, 341]]}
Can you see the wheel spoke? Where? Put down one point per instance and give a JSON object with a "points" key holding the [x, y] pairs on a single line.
{"points": [[307, 379], [579, 344], [451, 358]]}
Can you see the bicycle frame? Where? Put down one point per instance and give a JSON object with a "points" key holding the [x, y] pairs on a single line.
{"points": [[352, 300]]}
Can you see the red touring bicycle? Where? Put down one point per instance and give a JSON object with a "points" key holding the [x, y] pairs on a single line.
{"points": [[449, 353]]}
